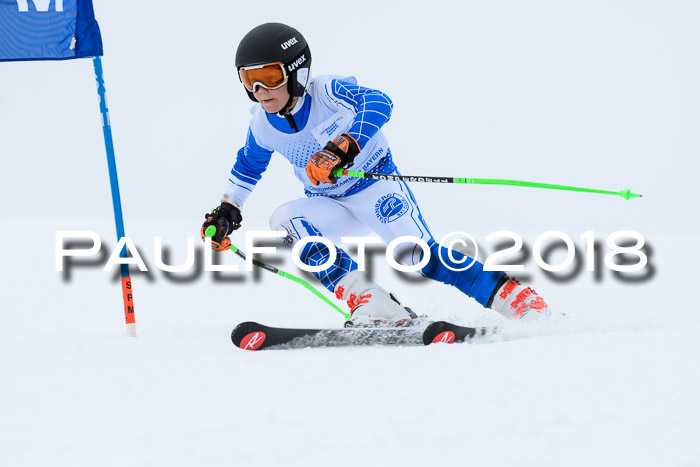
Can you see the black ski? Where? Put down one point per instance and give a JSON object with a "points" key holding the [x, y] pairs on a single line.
{"points": [[448, 333], [255, 336]]}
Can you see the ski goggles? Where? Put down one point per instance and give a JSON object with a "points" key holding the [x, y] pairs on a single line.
{"points": [[269, 76]]}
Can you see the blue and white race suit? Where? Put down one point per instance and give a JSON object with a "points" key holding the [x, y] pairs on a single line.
{"points": [[354, 206]]}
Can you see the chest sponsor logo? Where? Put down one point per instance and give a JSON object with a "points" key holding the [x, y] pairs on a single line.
{"points": [[331, 128]]}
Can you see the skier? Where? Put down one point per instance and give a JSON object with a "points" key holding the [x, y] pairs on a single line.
{"points": [[320, 124]]}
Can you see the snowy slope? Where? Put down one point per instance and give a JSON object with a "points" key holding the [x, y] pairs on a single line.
{"points": [[615, 383], [601, 95]]}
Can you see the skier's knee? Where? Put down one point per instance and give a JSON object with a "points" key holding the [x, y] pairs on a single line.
{"points": [[409, 253], [288, 218], [281, 216], [280, 221]]}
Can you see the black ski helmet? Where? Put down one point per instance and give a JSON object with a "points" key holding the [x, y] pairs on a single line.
{"points": [[277, 42]]}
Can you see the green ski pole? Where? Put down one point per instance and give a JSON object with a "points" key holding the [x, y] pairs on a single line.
{"points": [[211, 231], [627, 194]]}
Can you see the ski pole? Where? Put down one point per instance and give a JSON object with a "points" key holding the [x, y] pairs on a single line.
{"points": [[627, 194], [211, 231]]}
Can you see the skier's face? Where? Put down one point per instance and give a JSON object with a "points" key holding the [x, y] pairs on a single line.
{"points": [[272, 100]]}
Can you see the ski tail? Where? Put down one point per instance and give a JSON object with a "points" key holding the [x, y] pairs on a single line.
{"points": [[448, 333]]}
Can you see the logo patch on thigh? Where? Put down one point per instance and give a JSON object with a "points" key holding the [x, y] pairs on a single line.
{"points": [[391, 207]]}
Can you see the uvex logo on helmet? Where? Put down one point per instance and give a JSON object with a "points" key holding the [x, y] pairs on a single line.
{"points": [[286, 44], [276, 43], [295, 64]]}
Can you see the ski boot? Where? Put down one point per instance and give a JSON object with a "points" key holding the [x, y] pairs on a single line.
{"points": [[516, 301], [371, 305]]}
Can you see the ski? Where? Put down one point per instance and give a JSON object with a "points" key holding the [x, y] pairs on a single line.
{"points": [[255, 336], [448, 333]]}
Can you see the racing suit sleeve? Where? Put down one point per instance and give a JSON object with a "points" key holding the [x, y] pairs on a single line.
{"points": [[251, 163], [372, 108]]}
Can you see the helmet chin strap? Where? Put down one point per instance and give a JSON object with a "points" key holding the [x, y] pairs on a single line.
{"points": [[286, 112], [287, 107]]}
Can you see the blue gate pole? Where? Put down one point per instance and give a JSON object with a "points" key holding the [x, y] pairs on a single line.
{"points": [[116, 199]]}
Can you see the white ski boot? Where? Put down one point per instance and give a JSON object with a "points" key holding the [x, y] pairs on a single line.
{"points": [[516, 301], [370, 305]]}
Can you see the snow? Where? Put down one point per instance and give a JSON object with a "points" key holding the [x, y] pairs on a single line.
{"points": [[603, 96]]}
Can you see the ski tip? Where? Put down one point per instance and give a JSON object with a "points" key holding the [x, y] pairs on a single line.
{"points": [[253, 340], [249, 335]]}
